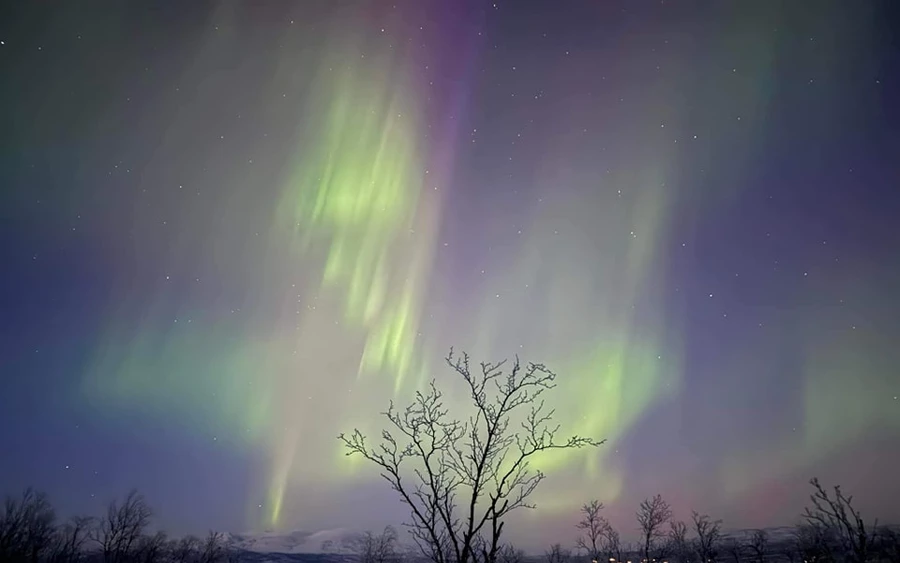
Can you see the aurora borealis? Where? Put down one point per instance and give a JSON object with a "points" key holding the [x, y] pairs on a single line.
{"points": [[232, 231]]}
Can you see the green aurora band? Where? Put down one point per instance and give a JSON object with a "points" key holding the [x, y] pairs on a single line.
{"points": [[358, 212], [357, 195], [358, 190], [353, 207]]}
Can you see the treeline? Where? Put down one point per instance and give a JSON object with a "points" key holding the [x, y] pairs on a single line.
{"points": [[30, 532], [831, 530]]}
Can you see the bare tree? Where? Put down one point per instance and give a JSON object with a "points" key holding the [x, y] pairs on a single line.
{"points": [[376, 548], [212, 548], [735, 549], [557, 554], [837, 515], [467, 475], [69, 540], [664, 549], [708, 535], [594, 526], [509, 554], [613, 543], [150, 548], [232, 551], [651, 517], [118, 532], [184, 550], [813, 543], [26, 527], [759, 545], [678, 540]]}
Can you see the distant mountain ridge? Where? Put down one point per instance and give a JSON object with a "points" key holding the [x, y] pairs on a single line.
{"points": [[298, 541], [276, 557]]}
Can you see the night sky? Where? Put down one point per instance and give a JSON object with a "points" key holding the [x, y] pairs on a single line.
{"points": [[230, 231]]}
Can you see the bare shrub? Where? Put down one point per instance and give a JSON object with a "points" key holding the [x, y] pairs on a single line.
{"points": [[836, 517], [557, 554], [509, 554], [813, 543], [376, 548]]}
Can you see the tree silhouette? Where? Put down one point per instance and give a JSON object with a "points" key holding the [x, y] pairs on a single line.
{"points": [[613, 543], [557, 554], [376, 548], [759, 545], [509, 554], [461, 477], [28, 534], [151, 549], [651, 517], [594, 526], [70, 539], [26, 528], [735, 548], [708, 535], [184, 550], [813, 543], [118, 532], [212, 548], [836, 517], [678, 539]]}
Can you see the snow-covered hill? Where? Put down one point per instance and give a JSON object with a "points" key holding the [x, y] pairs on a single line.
{"points": [[290, 542]]}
